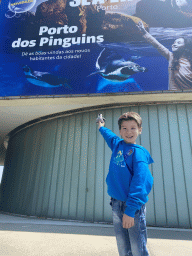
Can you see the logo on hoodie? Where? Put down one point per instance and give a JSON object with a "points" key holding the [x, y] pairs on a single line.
{"points": [[119, 159], [130, 152]]}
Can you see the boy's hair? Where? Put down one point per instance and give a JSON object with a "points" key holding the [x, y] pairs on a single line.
{"points": [[130, 116]]}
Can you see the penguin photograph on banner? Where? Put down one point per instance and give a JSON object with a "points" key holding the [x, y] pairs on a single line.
{"points": [[84, 47]]}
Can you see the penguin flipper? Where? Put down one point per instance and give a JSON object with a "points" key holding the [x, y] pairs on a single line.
{"points": [[96, 72], [40, 74]]}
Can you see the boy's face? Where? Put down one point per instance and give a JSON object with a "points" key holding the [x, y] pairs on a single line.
{"points": [[130, 131]]}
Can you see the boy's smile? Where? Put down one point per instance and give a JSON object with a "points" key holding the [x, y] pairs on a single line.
{"points": [[130, 131]]}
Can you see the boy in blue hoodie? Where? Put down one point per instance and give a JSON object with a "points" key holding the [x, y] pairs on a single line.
{"points": [[129, 182]]}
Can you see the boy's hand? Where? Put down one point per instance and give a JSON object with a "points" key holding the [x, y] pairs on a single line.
{"points": [[100, 120], [100, 124], [128, 221]]}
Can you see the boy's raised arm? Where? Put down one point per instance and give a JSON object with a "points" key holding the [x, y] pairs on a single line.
{"points": [[110, 137]]}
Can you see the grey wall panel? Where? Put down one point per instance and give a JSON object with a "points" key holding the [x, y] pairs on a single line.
{"points": [[91, 170], [99, 177], [188, 161], [107, 153], [146, 142], [179, 177], [167, 168], [68, 167], [159, 195], [58, 168], [185, 145]]}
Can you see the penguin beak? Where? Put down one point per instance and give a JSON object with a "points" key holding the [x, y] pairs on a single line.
{"points": [[142, 69]]}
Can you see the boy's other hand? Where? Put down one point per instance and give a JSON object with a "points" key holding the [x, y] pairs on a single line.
{"points": [[128, 221]]}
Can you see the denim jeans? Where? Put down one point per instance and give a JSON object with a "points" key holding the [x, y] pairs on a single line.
{"points": [[132, 241]]}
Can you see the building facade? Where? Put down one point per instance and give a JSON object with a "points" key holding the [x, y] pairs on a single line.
{"points": [[57, 167]]}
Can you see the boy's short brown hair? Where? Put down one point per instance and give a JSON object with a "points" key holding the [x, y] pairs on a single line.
{"points": [[130, 116]]}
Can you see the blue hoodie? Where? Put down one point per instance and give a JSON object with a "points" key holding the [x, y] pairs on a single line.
{"points": [[129, 178]]}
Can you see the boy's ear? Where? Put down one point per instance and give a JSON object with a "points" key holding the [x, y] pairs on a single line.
{"points": [[140, 130]]}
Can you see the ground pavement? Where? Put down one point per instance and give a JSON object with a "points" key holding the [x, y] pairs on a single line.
{"points": [[30, 236]]}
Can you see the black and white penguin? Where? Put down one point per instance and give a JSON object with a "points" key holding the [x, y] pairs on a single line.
{"points": [[44, 79], [112, 66]]}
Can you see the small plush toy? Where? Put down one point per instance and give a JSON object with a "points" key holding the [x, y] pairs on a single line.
{"points": [[100, 118]]}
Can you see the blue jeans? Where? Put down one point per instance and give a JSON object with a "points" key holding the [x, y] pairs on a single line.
{"points": [[132, 241]]}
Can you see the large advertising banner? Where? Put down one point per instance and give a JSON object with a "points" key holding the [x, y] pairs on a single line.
{"points": [[61, 47]]}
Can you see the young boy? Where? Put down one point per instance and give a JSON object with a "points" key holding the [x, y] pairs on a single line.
{"points": [[129, 182]]}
